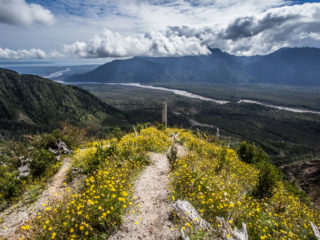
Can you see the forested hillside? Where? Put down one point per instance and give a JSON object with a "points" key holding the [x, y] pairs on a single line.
{"points": [[30, 103]]}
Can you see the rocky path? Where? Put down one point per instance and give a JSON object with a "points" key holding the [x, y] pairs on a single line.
{"points": [[151, 218], [14, 217]]}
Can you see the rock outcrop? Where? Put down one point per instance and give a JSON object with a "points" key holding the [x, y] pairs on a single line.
{"points": [[235, 234], [24, 169], [185, 212]]}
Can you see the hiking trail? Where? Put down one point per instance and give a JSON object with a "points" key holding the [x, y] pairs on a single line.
{"points": [[17, 215], [151, 219]]}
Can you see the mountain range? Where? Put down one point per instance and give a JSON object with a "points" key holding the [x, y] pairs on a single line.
{"points": [[287, 66]]}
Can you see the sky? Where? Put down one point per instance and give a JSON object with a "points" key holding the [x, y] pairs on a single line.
{"points": [[45, 29]]}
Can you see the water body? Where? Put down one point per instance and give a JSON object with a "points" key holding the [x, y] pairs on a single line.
{"points": [[195, 96], [296, 110], [191, 95], [58, 73], [177, 92]]}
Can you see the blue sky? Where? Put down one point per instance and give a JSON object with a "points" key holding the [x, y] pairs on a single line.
{"points": [[126, 28]]}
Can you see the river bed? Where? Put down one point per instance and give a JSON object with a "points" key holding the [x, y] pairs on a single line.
{"points": [[196, 96]]}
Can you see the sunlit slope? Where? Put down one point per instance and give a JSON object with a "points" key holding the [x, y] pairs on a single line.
{"points": [[220, 185], [210, 176]]}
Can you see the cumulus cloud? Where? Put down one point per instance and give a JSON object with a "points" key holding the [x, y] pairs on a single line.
{"points": [[252, 33], [287, 26], [21, 54], [113, 44], [177, 27], [19, 12], [249, 26]]}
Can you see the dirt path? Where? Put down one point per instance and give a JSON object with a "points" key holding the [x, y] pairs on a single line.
{"points": [[14, 217], [151, 219]]}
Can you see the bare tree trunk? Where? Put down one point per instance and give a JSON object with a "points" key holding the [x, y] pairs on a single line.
{"points": [[164, 115]]}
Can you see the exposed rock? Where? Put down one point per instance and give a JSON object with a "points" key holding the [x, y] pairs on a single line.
{"points": [[25, 160], [185, 212], [307, 177], [76, 170], [24, 171], [60, 148], [54, 151], [234, 234], [184, 236], [315, 230]]}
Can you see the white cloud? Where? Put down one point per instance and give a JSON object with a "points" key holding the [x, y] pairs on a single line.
{"points": [[263, 33], [287, 26], [21, 54], [113, 44], [19, 12], [168, 28]]}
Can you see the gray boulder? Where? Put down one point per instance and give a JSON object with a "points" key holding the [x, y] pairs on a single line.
{"points": [[24, 171], [234, 234], [185, 212], [60, 148], [315, 230], [25, 160]]}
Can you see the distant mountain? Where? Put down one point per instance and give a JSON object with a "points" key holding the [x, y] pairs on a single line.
{"points": [[31, 102], [290, 66], [218, 67]]}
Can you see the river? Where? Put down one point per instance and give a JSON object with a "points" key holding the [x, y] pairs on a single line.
{"points": [[195, 96]]}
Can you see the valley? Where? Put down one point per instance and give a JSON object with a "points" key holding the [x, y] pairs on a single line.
{"points": [[277, 131]]}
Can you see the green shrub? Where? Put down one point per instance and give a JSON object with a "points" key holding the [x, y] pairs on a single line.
{"points": [[268, 178], [160, 126], [249, 153], [222, 161], [117, 133], [9, 184], [140, 126], [42, 159], [268, 175], [93, 162], [172, 156], [71, 135]]}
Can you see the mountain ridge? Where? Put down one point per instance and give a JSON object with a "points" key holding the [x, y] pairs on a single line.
{"points": [[288, 66], [32, 102]]}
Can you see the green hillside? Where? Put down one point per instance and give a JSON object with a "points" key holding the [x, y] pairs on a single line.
{"points": [[29, 103]]}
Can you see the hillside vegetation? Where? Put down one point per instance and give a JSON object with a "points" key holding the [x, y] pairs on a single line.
{"points": [[34, 151], [30, 103], [218, 182]]}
